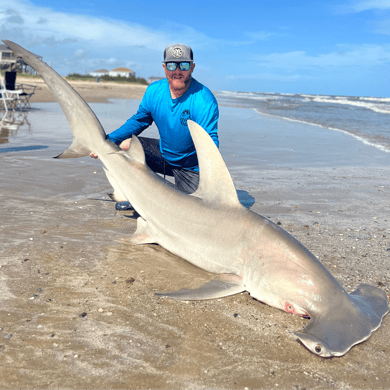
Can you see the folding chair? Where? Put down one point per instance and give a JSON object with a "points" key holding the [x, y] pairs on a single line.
{"points": [[9, 99], [27, 91]]}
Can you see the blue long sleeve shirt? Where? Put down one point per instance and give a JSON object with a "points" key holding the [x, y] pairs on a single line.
{"points": [[170, 116]]}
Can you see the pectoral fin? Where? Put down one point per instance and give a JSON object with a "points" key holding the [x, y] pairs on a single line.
{"points": [[142, 235], [216, 288], [118, 195]]}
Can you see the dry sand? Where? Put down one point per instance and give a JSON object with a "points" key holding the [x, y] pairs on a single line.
{"points": [[91, 91], [78, 306]]}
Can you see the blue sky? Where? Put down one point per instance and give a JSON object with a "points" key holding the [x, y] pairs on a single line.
{"points": [[315, 47]]}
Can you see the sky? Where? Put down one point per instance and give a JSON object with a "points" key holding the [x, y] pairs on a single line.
{"points": [[332, 47]]}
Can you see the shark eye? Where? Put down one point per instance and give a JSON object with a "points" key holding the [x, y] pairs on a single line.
{"points": [[318, 348]]}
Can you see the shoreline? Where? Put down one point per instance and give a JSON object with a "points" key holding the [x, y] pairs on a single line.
{"points": [[366, 141]]}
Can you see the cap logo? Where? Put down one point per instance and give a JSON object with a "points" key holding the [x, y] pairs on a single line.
{"points": [[177, 52]]}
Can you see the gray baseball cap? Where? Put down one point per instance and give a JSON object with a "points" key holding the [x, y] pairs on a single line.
{"points": [[178, 53]]}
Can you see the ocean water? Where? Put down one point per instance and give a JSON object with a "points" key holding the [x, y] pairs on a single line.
{"points": [[256, 130], [365, 118]]}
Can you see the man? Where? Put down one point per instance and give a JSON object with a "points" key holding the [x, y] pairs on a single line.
{"points": [[169, 103]]}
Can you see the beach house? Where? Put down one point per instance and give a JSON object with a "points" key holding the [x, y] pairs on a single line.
{"points": [[123, 72], [99, 73], [9, 61]]}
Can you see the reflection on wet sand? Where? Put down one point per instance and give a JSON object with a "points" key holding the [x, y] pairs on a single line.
{"points": [[10, 123], [9, 126]]}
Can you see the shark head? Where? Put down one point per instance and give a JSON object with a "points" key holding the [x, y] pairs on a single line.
{"points": [[313, 344]]}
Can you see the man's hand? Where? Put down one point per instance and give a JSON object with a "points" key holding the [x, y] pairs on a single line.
{"points": [[124, 145]]}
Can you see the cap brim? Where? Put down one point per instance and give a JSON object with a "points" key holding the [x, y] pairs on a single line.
{"points": [[164, 62]]}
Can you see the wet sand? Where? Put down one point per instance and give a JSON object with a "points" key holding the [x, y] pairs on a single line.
{"points": [[78, 306]]}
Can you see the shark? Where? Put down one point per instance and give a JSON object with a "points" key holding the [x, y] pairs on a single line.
{"points": [[213, 231]]}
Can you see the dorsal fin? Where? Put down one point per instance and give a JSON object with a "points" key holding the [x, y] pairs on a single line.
{"points": [[136, 150], [215, 184]]}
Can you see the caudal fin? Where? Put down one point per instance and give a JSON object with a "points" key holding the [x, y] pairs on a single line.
{"points": [[86, 128], [336, 332]]}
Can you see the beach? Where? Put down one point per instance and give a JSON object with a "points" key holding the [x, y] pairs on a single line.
{"points": [[79, 308], [90, 91]]}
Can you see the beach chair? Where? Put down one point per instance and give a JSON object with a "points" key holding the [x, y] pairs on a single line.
{"points": [[27, 89], [27, 92], [9, 98]]}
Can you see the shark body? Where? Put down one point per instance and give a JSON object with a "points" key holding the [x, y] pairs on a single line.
{"points": [[213, 231]]}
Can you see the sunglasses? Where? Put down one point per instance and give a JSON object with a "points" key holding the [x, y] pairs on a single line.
{"points": [[182, 65]]}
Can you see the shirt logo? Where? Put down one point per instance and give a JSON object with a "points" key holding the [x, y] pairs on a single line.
{"points": [[184, 116], [177, 52]]}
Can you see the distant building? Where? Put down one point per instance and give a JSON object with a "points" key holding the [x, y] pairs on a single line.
{"points": [[99, 73], [9, 61], [7, 55], [123, 72], [153, 79]]}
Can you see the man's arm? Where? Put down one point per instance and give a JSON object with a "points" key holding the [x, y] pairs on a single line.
{"points": [[208, 119], [133, 126]]}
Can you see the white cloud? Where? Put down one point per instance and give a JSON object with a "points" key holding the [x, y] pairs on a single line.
{"points": [[379, 24], [355, 56], [41, 24], [79, 53], [383, 27], [370, 5], [300, 68], [270, 77], [60, 38], [250, 38]]}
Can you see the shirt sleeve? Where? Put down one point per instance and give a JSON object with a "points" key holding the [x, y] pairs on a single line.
{"points": [[208, 119], [135, 125]]}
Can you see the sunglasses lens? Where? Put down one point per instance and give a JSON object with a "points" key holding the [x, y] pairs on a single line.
{"points": [[171, 66], [184, 65]]}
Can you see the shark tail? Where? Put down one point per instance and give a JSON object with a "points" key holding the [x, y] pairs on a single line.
{"points": [[77, 149], [335, 333], [86, 129]]}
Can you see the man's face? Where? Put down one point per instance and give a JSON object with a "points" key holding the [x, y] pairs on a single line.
{"points": [[178, 80]]}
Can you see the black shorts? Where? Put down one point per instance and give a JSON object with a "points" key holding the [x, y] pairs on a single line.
{"points": [[185, 180]]}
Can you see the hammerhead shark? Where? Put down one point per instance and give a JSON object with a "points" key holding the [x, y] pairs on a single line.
{"points": [[212, 230]]}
